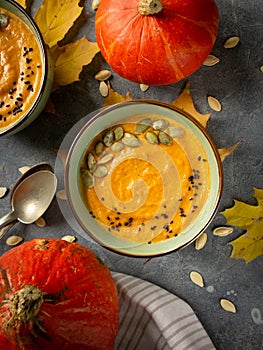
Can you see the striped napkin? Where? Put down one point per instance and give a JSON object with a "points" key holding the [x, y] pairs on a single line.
{"points": [[151, 318]]}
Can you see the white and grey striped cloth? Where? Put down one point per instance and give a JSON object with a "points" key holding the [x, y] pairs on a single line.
{"points": [[151, 318]]}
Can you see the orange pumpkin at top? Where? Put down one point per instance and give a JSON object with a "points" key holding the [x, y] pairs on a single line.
{"points": [[156, 42]]}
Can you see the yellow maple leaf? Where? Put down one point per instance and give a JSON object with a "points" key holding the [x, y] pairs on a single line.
{"points": [[185, 104], [54, 19], [224, 152], [22, 3], [114, 97], [249, 217], [69, 59]]}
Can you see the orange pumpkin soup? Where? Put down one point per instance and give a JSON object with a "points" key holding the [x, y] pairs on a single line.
{"points": [[20, 69], [144, 179]]}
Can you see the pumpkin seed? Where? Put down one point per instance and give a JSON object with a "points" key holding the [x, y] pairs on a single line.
{"points": [[99, 147], [3, 191], [104, 90], [103, 75], [108, 138], [4, 19], [143, 125], [105, 159], [117, 147], [95, 4], [87, 178], [118, 133], [227, 305], [201, 241], [40, 222], [69, 238], [144, 87], [24, 169], [151, 137], [14, 240], [197, 278], [100, 171], [256, 316], [90, 162], [164, 138], [62, 195], [261, 69], [130, 140], [214, 103], [231, 42], [210, 61], [160, 124], [175, 132], [222, 231]]}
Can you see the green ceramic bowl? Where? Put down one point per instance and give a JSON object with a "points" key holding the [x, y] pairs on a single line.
{"points": [[18, 68], [194, 147]]}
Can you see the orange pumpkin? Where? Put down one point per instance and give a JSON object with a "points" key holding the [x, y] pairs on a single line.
{"points": [[156, 42], [56, 295]]}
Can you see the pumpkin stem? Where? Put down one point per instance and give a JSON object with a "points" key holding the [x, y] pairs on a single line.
{"points": [[149, 7], [25, 305]]}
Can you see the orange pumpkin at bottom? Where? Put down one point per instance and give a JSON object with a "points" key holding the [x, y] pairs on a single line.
{"points": [[156, 42], [56, 295]]}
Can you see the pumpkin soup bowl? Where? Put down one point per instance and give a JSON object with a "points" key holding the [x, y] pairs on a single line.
{"points": [[26, 70], [142, 178]]}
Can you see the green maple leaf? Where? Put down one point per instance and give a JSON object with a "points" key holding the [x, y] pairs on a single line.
{"points": [[249, 217]]}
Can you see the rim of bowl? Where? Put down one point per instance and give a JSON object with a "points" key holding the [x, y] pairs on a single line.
{"points": [[129, 251], [41, 42]]}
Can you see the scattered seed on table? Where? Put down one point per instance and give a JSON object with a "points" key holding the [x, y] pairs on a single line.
{"points": [[40, 222], [222, 231], [231, 42], [95, 4], [104, 90], [68, 238], [144, 87], [201, 241], [23, 169], [227, 305], [3, 191], [102, 75], [14, 240], [214, 103], [62, 195], [197, 278], [211, 60]]}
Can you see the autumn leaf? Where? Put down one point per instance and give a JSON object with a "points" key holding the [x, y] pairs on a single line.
{"points": [[114, 97], [22, 3], [54, 19], [69, 59], [224, 152], [249, 217], [185, 104]]}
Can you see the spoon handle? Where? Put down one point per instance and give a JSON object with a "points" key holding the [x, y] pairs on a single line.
{"points": [[6, 228], [7, 219]]}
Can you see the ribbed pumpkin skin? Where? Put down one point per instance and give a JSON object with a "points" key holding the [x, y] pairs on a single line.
{"points": [[156, 49], [80, 301]]}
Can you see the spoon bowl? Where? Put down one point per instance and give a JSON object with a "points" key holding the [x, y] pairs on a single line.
{"points": [[31, 198]]}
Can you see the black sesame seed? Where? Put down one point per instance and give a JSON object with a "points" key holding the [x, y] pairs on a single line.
{"points": [[199, 158], [28, 60]]}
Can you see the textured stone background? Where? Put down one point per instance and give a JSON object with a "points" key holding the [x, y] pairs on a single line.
{"points": [[238, 83]]}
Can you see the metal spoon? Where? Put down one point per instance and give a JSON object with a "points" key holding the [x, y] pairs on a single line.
{"points": [[30, 171], [31, 198]]}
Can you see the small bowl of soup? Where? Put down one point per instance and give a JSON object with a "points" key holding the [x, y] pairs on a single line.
{"points": [[143, 179], [26, 71]]}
